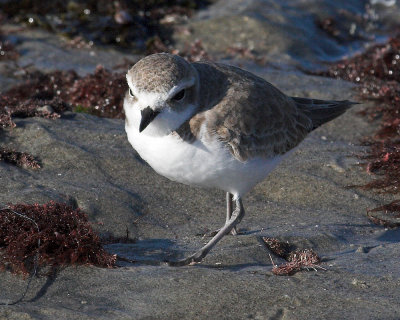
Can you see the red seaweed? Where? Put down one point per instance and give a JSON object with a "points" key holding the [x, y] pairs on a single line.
{"points": [[40, 95], [54, 232], [377, 70], [241, 52], [20, 159], [297, 259], [101, 93], [393, 206], [48, 95], [192, 52], [387, 215], [279, 248]]}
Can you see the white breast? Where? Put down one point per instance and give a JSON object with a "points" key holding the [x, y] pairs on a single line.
{"points": [[203, 163]]}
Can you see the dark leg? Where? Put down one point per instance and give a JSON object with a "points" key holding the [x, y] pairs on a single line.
{"points": [[235, 218], [229, 210]]}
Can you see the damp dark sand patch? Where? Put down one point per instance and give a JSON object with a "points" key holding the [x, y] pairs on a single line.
{"points": [[378, 72], [52, 234], [122, 23]]}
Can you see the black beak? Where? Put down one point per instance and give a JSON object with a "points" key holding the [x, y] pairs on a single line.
{"points": [[148, 115]]}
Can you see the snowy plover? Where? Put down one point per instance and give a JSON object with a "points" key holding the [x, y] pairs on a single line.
{"points": [[213, 125]]}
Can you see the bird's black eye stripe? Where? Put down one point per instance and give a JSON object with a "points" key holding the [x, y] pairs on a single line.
{"points": [[131, 93], [179, 96]]}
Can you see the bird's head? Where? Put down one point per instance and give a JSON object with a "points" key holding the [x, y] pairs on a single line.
{"points": [[162, 94]]}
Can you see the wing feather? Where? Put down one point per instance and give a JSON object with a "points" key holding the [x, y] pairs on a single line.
{"points": [[255, 119]]}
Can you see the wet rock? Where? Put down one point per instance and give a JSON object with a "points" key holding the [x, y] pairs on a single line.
{"points": [[300, 33]]}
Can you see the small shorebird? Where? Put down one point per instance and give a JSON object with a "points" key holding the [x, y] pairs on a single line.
{"points": [[214, 125]]}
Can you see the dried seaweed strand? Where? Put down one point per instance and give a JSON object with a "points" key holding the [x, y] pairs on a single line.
{"points": [[297, 259], [66, 238]]}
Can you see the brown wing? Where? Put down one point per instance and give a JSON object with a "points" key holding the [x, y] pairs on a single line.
{"points": [[255, 119]]}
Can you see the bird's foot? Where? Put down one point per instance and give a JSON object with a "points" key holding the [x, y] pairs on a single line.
{"points": [[234, 232], [189, 261], [230, 224]]}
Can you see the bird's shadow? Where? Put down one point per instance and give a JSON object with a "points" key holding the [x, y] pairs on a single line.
{"points": [[391, 235], [147, 252], [51, 277], [156, 252]]}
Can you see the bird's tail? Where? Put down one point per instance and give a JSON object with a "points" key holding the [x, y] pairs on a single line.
{"points": [[321, 111]]}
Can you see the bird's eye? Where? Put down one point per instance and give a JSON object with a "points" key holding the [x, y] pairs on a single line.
{"points": [[131, 93], [179, 96]]}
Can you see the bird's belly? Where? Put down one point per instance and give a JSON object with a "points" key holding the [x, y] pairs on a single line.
{"points": [[205, 165]]}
